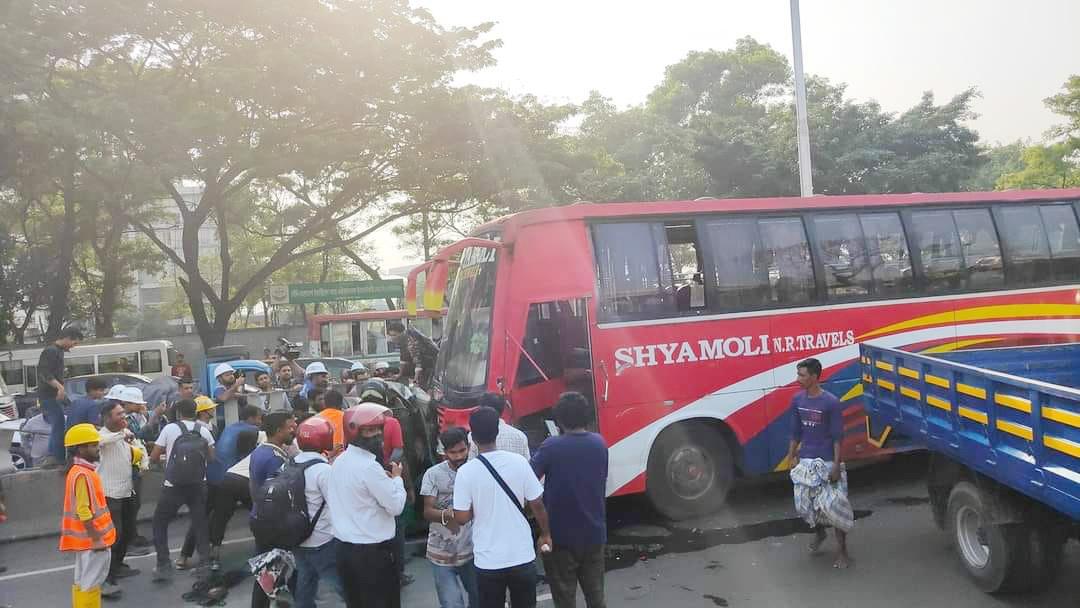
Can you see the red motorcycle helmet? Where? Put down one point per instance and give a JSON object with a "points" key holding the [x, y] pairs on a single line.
{"points": [[363, 415], [315, 434]]}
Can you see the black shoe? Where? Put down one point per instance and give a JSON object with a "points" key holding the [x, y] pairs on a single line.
{"points": [[163, 573], [139, 551], [124, 571]]}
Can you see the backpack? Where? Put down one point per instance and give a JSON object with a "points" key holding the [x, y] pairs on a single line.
{"points": [[279, 513], [187, 459]]}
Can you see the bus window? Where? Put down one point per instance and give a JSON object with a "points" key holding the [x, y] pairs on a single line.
{"points": [[150, 362], [684, 259], [787, 253], [935, 238], [1026, 251], [12, 372], [840, 244], [1064, 237], [117, 364], [633, 271], [887, 250], [31, 376], [541, 344], [740, 272], [982, 255], [341, 339], [78, 366]]}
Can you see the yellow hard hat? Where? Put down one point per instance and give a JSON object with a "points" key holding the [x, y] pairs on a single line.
{"points": [[204, 404], [81, 434]]}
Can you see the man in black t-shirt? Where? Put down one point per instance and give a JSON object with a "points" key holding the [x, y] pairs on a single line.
{"points": [[51, 393]]}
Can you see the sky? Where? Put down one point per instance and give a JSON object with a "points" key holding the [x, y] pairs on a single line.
{"points": [[1015, 53]]}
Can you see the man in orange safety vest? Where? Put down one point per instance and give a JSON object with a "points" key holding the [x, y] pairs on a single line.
{"points": [[86, 527]]}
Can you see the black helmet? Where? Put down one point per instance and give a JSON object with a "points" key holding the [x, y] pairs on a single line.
{"points": [[375, 390]]}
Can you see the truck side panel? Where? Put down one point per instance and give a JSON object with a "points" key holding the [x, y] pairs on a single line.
{"points": [[1019, 431]]}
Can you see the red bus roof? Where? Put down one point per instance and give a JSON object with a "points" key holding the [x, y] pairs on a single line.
{"points": [[585, 210]]}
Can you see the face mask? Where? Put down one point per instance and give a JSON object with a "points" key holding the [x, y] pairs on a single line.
{"points": [[371, 444]]}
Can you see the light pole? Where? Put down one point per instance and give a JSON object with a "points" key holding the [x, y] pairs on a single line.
{"points": [[806, 177]]}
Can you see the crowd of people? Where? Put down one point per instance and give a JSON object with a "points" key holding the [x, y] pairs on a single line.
{"points": [[494, 507], [482, 501]]}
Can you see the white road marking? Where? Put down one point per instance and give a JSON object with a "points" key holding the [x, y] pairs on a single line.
{"points": [[29, 573]]}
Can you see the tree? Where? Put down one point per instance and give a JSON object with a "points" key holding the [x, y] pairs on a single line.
{"points": [[327, 105], [1000, 160], [1057, 163], [1050, 166], [1067, 104]]}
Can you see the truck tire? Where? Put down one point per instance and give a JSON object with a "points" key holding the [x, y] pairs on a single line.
{"points": [[1046, 548], [690, 471], [994, 555]]}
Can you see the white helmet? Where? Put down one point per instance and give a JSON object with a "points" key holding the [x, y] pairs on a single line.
{"points": [[315, 368], [358, 367], [115, 392], [224, 368], [131, 394], [382, 365]]}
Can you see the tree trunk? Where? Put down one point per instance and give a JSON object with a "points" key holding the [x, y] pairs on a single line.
{"points": [[110, 294], [60, 278]]}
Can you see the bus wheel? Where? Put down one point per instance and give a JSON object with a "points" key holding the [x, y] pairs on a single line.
{"points": [[995, 555], [690, 471]]}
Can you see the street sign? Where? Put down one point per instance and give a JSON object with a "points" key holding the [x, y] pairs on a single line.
{"points": [[309, 293]]}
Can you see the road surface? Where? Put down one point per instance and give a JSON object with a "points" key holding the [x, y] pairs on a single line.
{"points": [[753, 553]]}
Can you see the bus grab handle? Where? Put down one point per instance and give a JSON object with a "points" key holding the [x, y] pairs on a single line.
{"points": [[607, 379]]}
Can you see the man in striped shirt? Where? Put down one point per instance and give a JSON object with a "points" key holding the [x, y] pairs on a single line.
{"points": [[510, 438], [114, 468]]}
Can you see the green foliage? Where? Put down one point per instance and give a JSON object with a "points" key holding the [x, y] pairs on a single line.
{"points": [[1050, 166], [1057, 164], [1000, 160]]}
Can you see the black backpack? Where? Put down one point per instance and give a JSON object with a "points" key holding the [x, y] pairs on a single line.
{"points": [[279, 514], [187, 459]]}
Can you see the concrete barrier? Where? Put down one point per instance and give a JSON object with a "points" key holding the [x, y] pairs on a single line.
{"points": [[35, 500]]}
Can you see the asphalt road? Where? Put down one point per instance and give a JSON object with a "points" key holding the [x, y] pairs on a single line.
{"points": [[753, 553]]}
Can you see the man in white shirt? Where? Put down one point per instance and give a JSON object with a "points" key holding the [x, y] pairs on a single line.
{"points": [[364, 499], [510, 439], [316, 557], [114, 468], [502, 538], [172, 496]]}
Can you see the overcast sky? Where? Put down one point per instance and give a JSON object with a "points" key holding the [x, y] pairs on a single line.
{"points": [[1016, 53]]}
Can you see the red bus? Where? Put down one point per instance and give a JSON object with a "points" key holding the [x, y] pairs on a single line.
{"points": [[682, 321]]}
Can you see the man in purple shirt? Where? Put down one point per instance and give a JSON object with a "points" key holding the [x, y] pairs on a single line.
{"points": [[816, 431]]}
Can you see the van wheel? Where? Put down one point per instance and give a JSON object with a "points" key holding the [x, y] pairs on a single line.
{"points": [[690, 471], [995, 555]]}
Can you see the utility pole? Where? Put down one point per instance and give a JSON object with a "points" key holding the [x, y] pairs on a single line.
{"points": [[806, 177]]}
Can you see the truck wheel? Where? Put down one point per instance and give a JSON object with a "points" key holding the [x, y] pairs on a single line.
{"points": [[1046, 548], [690, 471], [995, 555]]}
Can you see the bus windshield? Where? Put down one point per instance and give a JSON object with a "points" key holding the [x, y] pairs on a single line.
{"points": [[462, 365]]}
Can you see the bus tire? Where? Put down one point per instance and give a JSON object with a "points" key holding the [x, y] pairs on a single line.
{"points": [[690, 471], [994, 555]]}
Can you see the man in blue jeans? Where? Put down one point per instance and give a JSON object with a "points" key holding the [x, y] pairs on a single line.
{"points": [[51, 394], [449, 546], [316, 557], [502, 537]]}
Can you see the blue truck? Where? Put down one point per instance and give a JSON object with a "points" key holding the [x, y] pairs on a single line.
{"points": [[1003, 429]]}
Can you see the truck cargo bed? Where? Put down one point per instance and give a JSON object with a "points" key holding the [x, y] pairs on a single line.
{"points": [[1012, 414]]}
